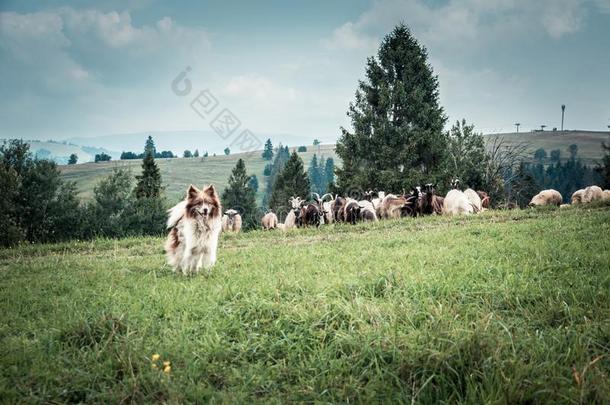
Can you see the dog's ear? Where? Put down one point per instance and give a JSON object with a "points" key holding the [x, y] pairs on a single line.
{"points": [[210, 190], [192, 192]]}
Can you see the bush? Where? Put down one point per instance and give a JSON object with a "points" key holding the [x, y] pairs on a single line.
{"points": [[302, 149]]}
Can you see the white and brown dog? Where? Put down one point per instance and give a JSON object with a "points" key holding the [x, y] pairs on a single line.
{"points": [[194, 226]]}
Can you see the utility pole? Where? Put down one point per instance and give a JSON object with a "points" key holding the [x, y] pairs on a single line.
{"points": [[517, 125], [563, 110]]}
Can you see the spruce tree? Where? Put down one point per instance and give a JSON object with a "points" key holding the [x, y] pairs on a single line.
{"points": [[329, 173], [291, 181], [149, 147], [149, 182], [281, 157], [268, 151], [240, 196], [397, 137], [315, 175]]}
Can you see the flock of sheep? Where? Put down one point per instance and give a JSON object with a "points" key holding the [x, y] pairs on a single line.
{"points": [[421, 200]]}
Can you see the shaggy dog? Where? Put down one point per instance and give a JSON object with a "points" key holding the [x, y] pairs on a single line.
{"points": [[194, 225]]}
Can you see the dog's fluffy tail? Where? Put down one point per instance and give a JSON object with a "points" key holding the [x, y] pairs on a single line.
{"points": [[175, 214]]}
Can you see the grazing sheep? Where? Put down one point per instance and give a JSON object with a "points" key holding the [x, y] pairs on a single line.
{"points": [[456, 203], [606, 195], [485, 199], [474, 199], [269, 221], [592, 193], [577, 196], [281, 227], [546, 197], [231, 221]]}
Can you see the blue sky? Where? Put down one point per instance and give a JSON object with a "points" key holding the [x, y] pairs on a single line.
{"points": [[71, 69]]}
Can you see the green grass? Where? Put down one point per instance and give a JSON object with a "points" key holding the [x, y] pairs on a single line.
{"points": [[504, 307], [177, 174]]}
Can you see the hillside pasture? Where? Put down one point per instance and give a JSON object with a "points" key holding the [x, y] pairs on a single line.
{"points": [[502, 307]]}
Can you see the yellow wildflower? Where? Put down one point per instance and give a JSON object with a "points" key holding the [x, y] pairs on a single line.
{"points": [[155, 357], [166, 363], [167, 369]]}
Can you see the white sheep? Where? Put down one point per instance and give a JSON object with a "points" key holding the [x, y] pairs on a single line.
{"points": [[546, 197], [577, 196], [456, 203], [269, 221], [592, 193], [606, 195], [474, 199]]}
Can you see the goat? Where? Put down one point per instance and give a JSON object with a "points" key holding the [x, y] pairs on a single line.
{"points": [[269, 221], [310, 215], [432, 204], [367, 211], [231, 221], [293, 218], [351, 212], [324, 207], [337, 207]]}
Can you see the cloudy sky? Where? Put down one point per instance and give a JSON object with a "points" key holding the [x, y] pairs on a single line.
{"points": [[80, 69]]}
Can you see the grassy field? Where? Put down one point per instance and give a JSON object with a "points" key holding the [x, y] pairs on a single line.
{"points": [[177, 174], [589, 142], [504, 307]]}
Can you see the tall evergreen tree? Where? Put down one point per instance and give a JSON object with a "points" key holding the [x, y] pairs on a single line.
{"points": [[329, 173], [398, 123], [291, 181], [149, 147], [281, 157], [240, 196], [149, 182], [315, 175], [466, 160], [268, 151], [253, 183]]}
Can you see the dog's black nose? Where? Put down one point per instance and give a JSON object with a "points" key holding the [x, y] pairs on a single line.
{"points": [[205, 211]]}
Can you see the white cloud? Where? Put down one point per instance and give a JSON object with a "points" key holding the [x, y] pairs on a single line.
{"points": [[254, 87]]}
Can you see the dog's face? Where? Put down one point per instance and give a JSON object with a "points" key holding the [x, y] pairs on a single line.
{"points": [[203, 204]]}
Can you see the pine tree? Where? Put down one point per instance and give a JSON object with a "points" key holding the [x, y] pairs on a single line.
{"points": [[187, 154], [239, 196], [196, 153], [227, 151], [268, 151], [149, 147], [315, 175], [149, 182], [281, 157], [291, 181], [253, 183], [73, 159], [398, 123], [329, 173]]}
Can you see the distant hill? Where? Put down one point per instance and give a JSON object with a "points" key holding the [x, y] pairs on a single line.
{"points": [[179, 141], [178, 173], [60, 151], [589, 142]]}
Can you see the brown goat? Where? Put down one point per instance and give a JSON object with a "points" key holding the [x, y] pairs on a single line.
{"points": [[485, 200]]}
